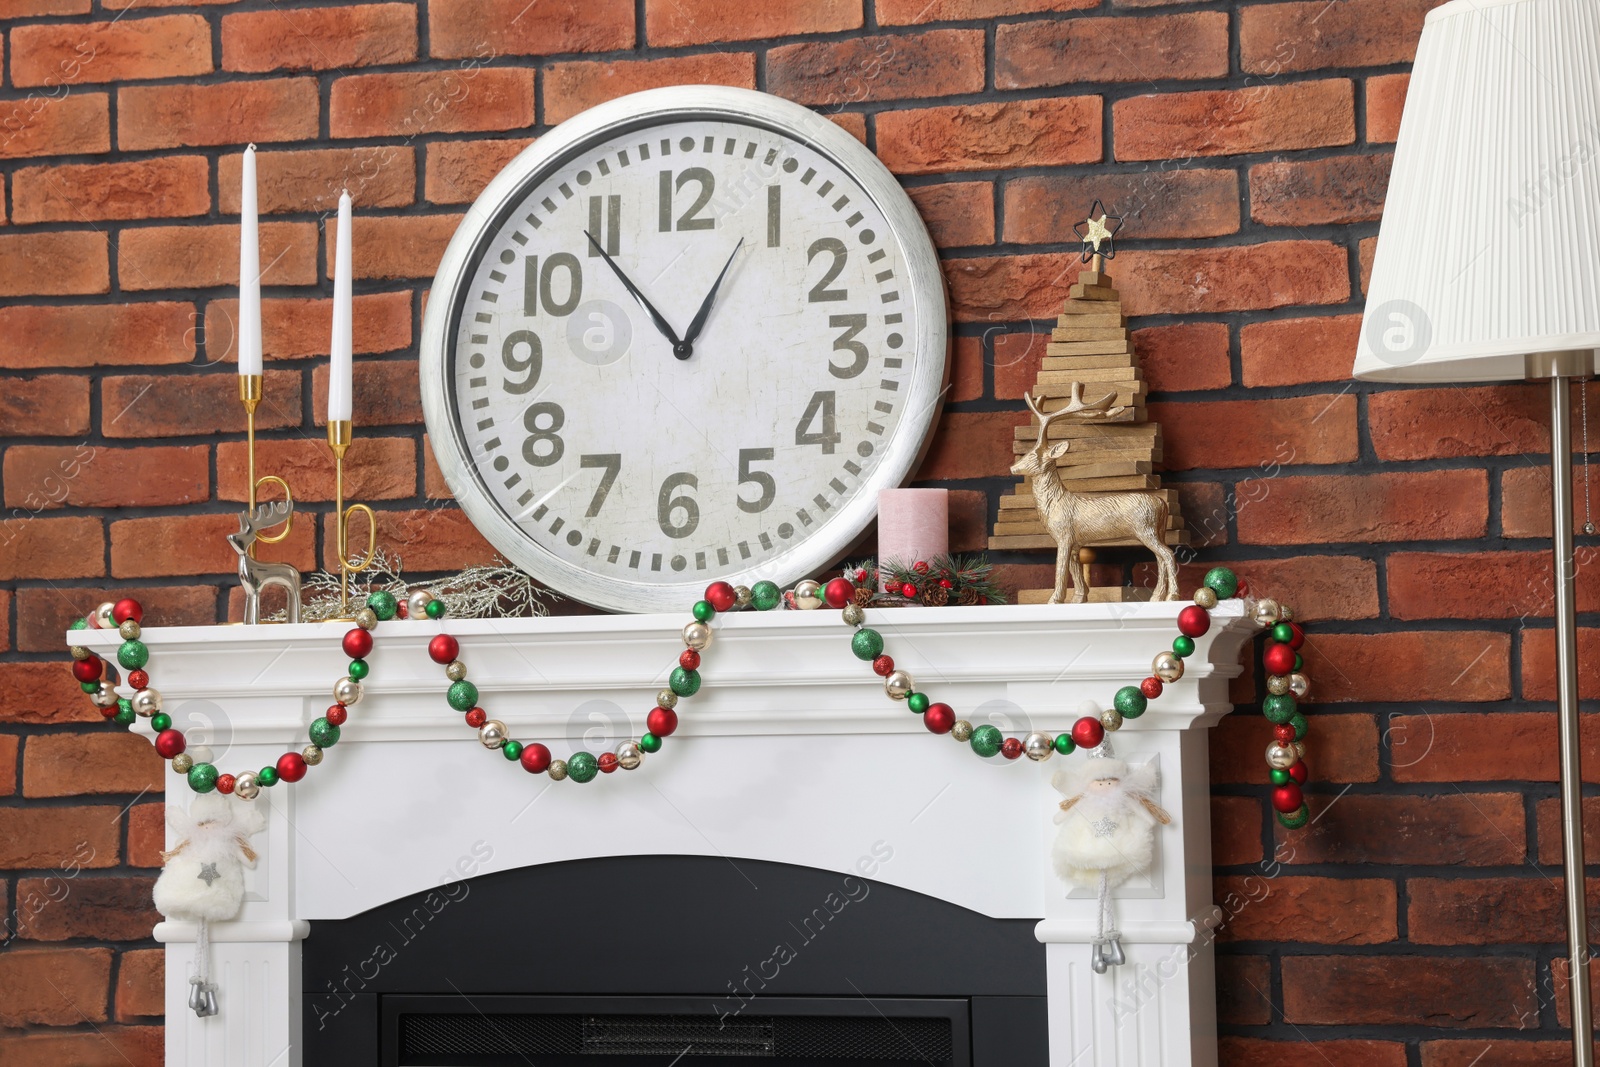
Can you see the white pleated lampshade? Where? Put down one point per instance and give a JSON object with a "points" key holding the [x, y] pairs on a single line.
{"points": [[1489, 252]]}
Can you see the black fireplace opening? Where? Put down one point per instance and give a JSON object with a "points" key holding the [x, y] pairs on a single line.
{"points": [[672, 961]]}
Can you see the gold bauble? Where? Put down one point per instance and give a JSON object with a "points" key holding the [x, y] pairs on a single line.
{"points": [[312, 754], [128, 630], [962, 730], [455, 670], [182, 762], [1265, 612], [367, 619], [741, 596], [1111, 719], [79, 652], [666, 699], [1206, 597], [558, 770], [852, 614], [1277, 684], [1168, 666]]}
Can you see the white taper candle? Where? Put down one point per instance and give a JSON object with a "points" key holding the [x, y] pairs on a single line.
{"points": [[339, 378], [249, 271]]}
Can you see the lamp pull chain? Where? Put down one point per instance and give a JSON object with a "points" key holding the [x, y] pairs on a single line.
{"points": [[1588, 519]]}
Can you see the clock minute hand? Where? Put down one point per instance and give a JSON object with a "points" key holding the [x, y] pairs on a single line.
{"points": [[661, 323], [705, 305]]}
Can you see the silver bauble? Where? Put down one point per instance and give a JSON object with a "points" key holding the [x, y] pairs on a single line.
{"points": [[347, 691], [741, 596], [808, 594], [1280, 757], [852, 614], [898, 685], [962, 730], [629, 755], [1265, 612], [1111, 719], [105, 696], [1039, 747], [1299, 685], [182, 762], [1206, 597], [146, 702], [1168, 666], [102, 616], [245, 786], [455, 670], [128, 630], [557, 769], [312, 754], [1277, 684], [492, 734], [666, 699], [417, 604], [697, 635], [367, 619]]}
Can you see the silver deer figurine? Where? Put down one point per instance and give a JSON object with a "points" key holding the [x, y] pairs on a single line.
{"points": [[1082, 519], [254, 575]]}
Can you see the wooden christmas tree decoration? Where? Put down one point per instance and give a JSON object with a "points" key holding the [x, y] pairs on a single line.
{"points": [[1090, 352]]}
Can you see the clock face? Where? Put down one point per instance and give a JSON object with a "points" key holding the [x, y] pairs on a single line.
{"points": [[688, 336]]}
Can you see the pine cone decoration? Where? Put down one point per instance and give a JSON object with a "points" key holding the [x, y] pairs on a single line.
{"points": [[864, 595], [936, 596], [967, 598]]}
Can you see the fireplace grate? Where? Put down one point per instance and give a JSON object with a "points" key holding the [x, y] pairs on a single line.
{"points": [[792, 1037]]}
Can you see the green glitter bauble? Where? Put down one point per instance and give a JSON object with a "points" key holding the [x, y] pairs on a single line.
{"points": [[1295, 819], [582, 766], [511, 749], [703, 611], [1278, 709], [323, 733], [650, 743], [1280, 776], [267, 776], [1183, 646], [986, 740], [358, 669], [1298, 721], [435, 609], [867, 644], [79, 624], [383, 604], [1131, 701], [1065, 744], [684, 682], [124, 717], [124, 704], [202, 777], [133, 654], [462, 695], [160, 721], [765, 596], [917, 703], [1222, 581]]}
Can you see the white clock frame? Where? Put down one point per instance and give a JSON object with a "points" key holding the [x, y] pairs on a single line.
{"points": [[927, 335]]}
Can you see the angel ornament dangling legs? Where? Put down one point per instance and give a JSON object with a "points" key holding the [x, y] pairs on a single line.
{"points": [[1107, 835]]}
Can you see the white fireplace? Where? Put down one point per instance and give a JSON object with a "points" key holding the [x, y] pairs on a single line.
{"points": [[791, 753]]}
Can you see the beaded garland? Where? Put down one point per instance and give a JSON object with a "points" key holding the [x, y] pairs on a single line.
{"points": [[1286, 684]]}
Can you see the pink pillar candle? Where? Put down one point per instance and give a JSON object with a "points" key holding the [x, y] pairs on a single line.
{"points": [[913, 524]]}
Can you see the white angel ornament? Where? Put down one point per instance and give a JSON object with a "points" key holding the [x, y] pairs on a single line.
{"points": [[1107, 834], [202, 877]]}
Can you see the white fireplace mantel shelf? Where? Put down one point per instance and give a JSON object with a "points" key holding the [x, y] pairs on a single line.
{"points": [[791, 752]]}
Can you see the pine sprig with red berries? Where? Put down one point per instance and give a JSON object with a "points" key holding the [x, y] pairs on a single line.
{"points": [[963, 580]]}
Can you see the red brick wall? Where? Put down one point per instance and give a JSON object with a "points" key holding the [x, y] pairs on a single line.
{"points": [[1417, 922]]}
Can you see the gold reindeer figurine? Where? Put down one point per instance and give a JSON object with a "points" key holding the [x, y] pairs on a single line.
{"points": [[1081, 519]]}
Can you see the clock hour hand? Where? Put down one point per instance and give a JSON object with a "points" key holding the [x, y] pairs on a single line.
{"points": [[661, 323], [705, 305]]}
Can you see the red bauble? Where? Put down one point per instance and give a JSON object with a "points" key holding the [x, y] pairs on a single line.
{"points": [[225, 783], [292, 765], [1287, 798], [110, 711], [1011, 748], [476, 717], [1193, 621], [336, 714], [127, 608], [1283, 733], [400, 609], [1278, 658], [443, 648], [661, 721], [883, 666], [721, 596], [87, 670], [608, 762], [939, 718], [1242, 590], [1300, 772], [838, 593], [1088, 733], [535, 758], [1151, 687], [689, 660], [357, 643], [169, 743], [1299, 637], [139, 680]]}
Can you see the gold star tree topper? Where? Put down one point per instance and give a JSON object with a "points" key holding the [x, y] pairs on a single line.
{"points": [[1096, 233]]}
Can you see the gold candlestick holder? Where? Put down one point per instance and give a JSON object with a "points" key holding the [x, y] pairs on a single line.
{"points": [[340, 435], [250, 397]]}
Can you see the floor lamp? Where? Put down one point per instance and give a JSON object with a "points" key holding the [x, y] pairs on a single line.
{"points": [[1488, 269]]}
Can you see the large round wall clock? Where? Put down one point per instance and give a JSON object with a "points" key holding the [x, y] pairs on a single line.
{"points": [[687, 335]]}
